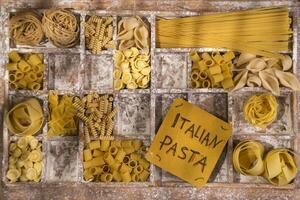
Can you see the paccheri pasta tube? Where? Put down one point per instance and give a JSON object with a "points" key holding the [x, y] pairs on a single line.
{"points": [[115, 160], [62, 115], [61, 27], [132, 69], [211, 70], [25, 28], [267, 72], [25, 160], [97, 113], [243, 31], [25, 71], [133, 32], [261, 110], [98, 33], [279, 166], [25, 118]]}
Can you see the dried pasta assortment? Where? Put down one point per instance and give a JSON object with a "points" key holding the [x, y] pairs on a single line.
{"points": [[253, 31], [62, 118], [25, 71], [269, 73], [25, 28], [279, 166], [132, 69], [25, 118], [116, 160], [25, 160], [211, 70], [61, 27], [261, 110], [97, 113], [98, 33], [133, 32]]}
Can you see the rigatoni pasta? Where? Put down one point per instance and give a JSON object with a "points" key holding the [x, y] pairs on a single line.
{"points": [[107, 161], [25, 71]]}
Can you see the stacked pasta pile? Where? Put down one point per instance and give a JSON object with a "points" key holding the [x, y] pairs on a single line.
{"points": [[279, 166], [269, 73], [261, 110], [211, 70], [62, 115], [132, 69], [98, 33], [115, 160], [25, 28], [25, 71], [25, 118], [262, 31], [98, 114], [133, 32], [25, 160]]}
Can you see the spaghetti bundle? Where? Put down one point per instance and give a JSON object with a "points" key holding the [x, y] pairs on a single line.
{"points": [[258, 31]]}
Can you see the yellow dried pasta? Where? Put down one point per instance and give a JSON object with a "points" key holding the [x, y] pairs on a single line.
{"points": [[132, 69], [25, 160], [114, 162], [261, 110], [26, 71]]}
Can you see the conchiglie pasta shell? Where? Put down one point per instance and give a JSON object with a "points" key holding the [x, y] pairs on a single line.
{"points": [[286, 62], [125, 35], [130, 23], [269, 82], [126, 44], [244, 58], [141, 34], [256, 65], [271, 62], [253, 81], [240, 80], [288, 79]]}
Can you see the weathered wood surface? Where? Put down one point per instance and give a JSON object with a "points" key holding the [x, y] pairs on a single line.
{"points": [[80, 191]]}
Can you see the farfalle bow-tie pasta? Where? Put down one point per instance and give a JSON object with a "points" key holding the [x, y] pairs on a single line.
{"points": [[25, 118]]}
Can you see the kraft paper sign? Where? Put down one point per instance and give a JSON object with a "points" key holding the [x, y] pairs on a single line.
{"points": [[189, 142]]}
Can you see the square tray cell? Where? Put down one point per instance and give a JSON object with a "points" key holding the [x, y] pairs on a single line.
{"points": [[170, 70], [269, 142], [64, 71], [214, 103], [98, 72], [162, 104], [61, 160], [282, 125], [134, 115]]}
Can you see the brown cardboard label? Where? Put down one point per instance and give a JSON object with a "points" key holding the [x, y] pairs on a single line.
{"points": [[189, 142]]}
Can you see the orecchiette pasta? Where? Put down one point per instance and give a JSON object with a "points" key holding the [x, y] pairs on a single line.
{"points": [[132, 69], [107, 161], [25, 160]]}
